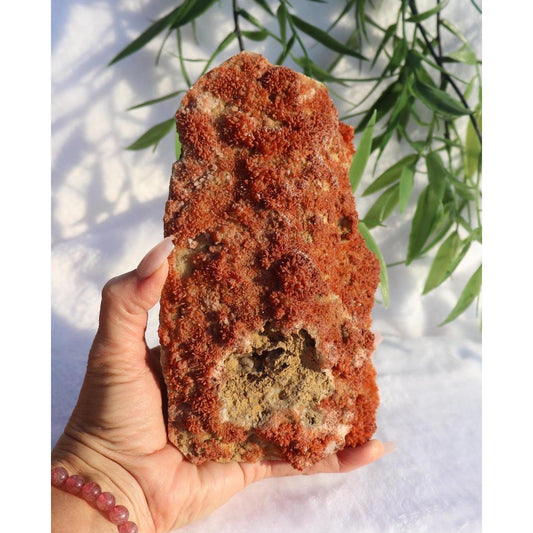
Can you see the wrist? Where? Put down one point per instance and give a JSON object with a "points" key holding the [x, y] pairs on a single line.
{"points": [[93, 465], [70, 513]]}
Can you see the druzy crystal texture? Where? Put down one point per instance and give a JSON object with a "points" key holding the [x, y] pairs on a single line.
{"points": [[266, 312]]}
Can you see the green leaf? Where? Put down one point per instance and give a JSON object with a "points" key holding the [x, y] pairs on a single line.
{"points": [[353, 42], [477, 234], [439, 101], [390, 175], [442, 264], [437, 174], [472, 153], [265, 6], [419, 17], [383, 105], [423, 222], [285, 51], [465, 54], [362, 153], [181, 15], [466, 246], [177, 145], [257, 23], [191, 9], [463, 190], [470, 292], [153, 135], [324, 38], [313, 70], [152, 31], [259, 35], [389, 32], [407, 181], [156, 100], [383, 206], [450, 143], [162, 46], [402, 102], [361, 17], [282, 15], [444, 220], [398, 55], [381, 140], [250, 18], [383, 275], [415, 58], [349, 4], [434, 65], [223, 44], [469, 88], [453, 30], [181, 59]]}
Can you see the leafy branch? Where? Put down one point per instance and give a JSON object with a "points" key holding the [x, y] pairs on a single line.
{"points": [[438, 59], [418, 101]]}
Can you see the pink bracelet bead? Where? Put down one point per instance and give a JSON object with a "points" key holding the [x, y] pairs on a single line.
{"points": [[73, 484], [128, 527], [105, 501], [118, 514], [59, 476], [90, 491]]}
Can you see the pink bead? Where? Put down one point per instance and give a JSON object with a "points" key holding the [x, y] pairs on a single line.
{"points": [[118, 514], [73, 484], [128, 527], [59, 475], [105, 501], [90, 491]]}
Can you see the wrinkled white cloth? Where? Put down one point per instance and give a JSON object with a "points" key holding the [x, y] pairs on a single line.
{"points": [[107, 207]]}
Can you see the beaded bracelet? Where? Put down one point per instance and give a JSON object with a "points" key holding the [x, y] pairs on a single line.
{"points": [[92, 493]]}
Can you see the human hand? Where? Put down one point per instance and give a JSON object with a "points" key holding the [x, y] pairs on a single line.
{"points": [[117, 435]]}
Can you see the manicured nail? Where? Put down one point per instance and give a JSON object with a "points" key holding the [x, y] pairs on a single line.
{"points": [[155, 257], [388, 447], [378, 338]]}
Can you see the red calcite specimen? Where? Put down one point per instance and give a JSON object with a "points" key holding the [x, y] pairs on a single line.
{"points": [[266, 313]]}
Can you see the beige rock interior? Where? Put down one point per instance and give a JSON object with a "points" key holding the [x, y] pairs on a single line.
{"points": [[278, 373]]}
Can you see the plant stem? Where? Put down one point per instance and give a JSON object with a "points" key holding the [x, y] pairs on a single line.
{"points": [[412, 5], [237, 27], [443, 83]]}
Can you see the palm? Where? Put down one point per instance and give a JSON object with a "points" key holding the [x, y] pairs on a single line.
{"points": [[137, 432], [161, 468]]}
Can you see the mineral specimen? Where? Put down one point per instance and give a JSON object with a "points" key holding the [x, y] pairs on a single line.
{"points": [[266, 312]]}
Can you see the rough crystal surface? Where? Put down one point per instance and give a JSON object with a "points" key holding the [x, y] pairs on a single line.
{"points": [[266, 312]]}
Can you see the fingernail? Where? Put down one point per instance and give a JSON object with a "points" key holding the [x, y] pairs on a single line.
{"points": [[388, 447], [378, 338], [155, 257]]}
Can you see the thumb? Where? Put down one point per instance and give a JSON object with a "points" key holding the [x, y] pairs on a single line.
{"points": [[126, 300]]}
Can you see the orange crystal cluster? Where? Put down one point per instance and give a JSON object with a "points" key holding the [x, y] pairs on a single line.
{"points": [[266, 313]]}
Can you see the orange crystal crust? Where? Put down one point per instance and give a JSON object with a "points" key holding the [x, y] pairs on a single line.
{"points": [[266, 312]]}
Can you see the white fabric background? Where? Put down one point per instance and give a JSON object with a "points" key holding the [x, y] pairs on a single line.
{"points": [[107, 207]]}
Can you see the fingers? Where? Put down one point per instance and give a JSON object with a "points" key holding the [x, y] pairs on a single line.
{"points": [[344, 461], [378, 338], [126, 299], [155, 258]]}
